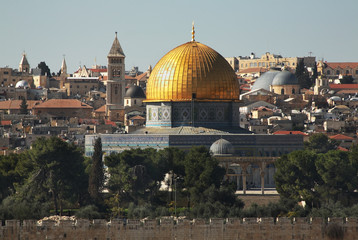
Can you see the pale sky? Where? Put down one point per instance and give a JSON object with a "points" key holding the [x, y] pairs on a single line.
{"points": [[147, 29]]}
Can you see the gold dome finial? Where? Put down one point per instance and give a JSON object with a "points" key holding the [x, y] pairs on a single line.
{"points": [[193, 33]]}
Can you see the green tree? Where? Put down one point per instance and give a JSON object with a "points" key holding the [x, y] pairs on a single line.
{"points": [[10, 174], [296, 176], [135, 175], [339, 174], [320, 143], [45, 70], [314, 74], [201, 171], [302, 75], [96, 176], [23, 107], [57, 170], [347, 79]]}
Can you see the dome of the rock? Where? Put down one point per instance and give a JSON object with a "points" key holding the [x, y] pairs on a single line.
{"points": [[192, 70]]}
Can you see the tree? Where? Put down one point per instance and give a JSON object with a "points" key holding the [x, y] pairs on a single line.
{"points": [[302, 75], [135, 175], [339, 175], [314, 74], [347, 79], [320, 143], [45, 70], [201, 171], [96, 177], [296, 176], [57, 171], [23, 107]]}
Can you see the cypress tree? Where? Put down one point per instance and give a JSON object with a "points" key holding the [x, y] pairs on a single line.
{"points": [[23, 107], [96, 176]]}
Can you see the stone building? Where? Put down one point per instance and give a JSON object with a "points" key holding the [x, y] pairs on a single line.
{"points": [[81, 86], [62, 108], [269, 60]]}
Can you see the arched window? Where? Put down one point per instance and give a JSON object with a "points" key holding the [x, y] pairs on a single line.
{"points": [[282, 91]]}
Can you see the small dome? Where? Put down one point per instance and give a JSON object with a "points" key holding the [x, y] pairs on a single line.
{"points": [[222, 147], [265, 80], [22, 84], [134, 92], [284, 78]]}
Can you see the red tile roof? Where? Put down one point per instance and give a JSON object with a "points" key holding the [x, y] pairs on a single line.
{"points": [[5, 122], [341, 137], [137, 118], [343, 86], [62, 103], [101, 109], [342, 65], [342, 149], [290, 132], [98, 70], [108, 122], [15, 104], [252, 70], [127, 77]]}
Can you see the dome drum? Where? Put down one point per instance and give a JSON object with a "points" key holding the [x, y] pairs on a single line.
{"points": [[206, 114]]}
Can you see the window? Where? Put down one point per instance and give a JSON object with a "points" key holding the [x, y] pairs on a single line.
{"points": [[347, 71], [78, 86], [116, 90], [337, 72], [259, 64], [5, 80], [282, 91], [293, 91], [13, 80], [135, 101], [328, 71], [6, 72], [356, 71]]}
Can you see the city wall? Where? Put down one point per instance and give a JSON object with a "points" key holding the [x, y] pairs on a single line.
{"points": [[249, 228]]}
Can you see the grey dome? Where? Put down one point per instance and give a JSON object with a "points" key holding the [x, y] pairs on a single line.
{"points": [[222, 147], [285, 78], [265, 80], [135, 92], [22, 84]]}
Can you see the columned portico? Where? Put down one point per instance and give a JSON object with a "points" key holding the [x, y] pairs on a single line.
{"points": [[246, 165]]}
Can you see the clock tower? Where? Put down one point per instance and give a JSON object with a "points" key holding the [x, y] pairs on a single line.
{"points": [[116, 82]]}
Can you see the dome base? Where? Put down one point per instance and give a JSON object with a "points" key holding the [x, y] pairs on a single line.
{"points": [[196, 114]]}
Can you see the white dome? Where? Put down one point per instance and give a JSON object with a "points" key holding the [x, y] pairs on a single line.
{"points": [[22, 84]]}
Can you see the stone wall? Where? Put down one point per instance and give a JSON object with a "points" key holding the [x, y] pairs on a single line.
{"points": [[249, 228]]}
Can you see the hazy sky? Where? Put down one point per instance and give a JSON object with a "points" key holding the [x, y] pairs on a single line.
{"points": [[84, 30]]}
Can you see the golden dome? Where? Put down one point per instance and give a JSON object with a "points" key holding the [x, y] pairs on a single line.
{"points": [[192, 68]]}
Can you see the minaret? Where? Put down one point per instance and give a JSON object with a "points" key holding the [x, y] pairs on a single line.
{"points": [[24, 65], [116, 80]]}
